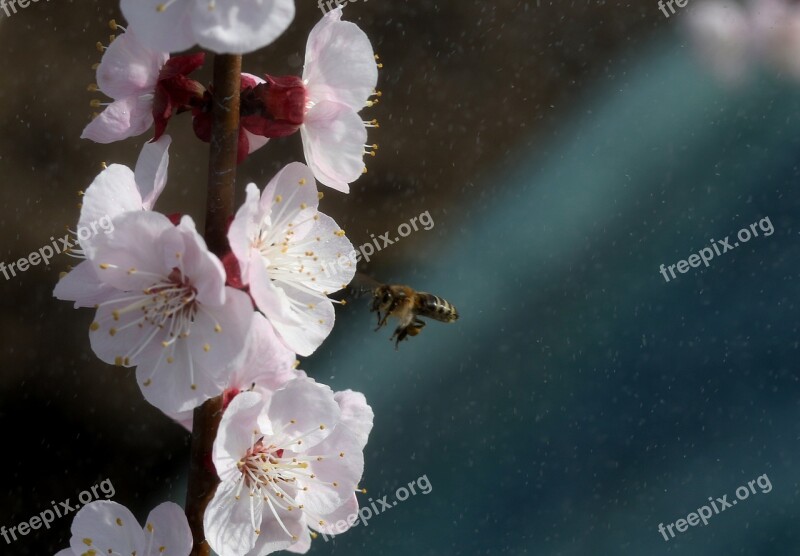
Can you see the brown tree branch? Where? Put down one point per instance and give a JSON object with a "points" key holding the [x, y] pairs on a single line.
{"points": [[203, 479]]}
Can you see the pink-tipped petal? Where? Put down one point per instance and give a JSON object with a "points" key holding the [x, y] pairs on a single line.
{"points": [[129, 68], [123, 118], [340, 63]]}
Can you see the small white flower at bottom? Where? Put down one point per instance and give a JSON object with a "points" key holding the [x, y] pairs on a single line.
{"points": [[105, 527]]}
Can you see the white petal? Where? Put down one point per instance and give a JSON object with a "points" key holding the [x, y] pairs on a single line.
{"points": [[113, 192], [357, 415], [291, 199], [273, 537], [110, 527], [203, 269], [123, 118], [176, 384], [169, 30], [228, 521], [240, 26], [151, 170], [302, 320], [244, 228], [336, 522], [129, 68], [334, 250], [82, 286], [267, 362], [115, 334], [236, 433], [135, 244], [303, 408], [167, 531], [333, 140], [342, 463], [218, 335], [340, 63]]}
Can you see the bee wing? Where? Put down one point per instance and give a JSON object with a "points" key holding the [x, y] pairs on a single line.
{"points": [[360, 286]]}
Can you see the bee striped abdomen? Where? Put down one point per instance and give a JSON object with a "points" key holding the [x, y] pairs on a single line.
{"points": [[434, 307]]}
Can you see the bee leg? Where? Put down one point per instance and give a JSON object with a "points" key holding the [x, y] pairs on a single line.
{"points": [[401, 333], [416, 327], [381, 321]]}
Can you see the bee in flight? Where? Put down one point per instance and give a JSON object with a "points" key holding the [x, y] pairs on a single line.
{"points": [[407, 306], [402, 302]]}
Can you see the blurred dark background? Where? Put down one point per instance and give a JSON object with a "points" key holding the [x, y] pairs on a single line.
{"points": [[564, 152]]}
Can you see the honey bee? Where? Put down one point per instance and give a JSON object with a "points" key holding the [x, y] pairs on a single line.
{"points": [[408, 305]]}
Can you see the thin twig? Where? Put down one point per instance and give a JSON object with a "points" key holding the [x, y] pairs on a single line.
{"points": [[203, 479]]}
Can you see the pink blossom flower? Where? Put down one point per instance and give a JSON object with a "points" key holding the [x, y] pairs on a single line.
{"points": [[169, 313], [280, 241], [222, 26], [105, 527], [147, 86], [265, 365], [285, 466], [116, 190], [339, 77]]}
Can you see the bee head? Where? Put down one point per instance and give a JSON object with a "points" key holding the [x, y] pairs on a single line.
{"points": [[381, 298]]}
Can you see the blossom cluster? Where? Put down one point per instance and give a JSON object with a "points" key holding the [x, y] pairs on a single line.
{"points": [[198, 325]]}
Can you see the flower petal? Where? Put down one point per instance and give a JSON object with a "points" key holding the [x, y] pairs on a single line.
{"points": [[240, 26], [123, 118], [235, 434], [338, 463], [333, 520], [151, 170], [267, 362], [218, 334], [167, 531], [109, 528], [340, 63], [302, 320], [128, 257], [228, 521], [82, 286], [170, 379], [334, 137], [244, 228], [357, 415], [273, 537], [168, 29], [303, 408], [129, 68], [202, 267]]}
